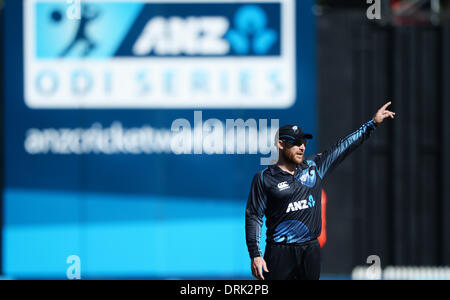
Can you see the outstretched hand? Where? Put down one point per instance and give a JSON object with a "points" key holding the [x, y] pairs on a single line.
{"points": [[382, 114]]}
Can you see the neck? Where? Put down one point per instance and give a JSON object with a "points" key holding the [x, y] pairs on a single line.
{"points": [[286, 165]]}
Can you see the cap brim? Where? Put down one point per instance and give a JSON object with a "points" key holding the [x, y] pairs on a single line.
{"points": [[307, 136]]}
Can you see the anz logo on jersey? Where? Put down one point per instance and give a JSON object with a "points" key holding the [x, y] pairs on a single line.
{"points": [[302, 204]]}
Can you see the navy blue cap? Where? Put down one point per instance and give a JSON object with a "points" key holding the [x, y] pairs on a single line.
{"points": [[293, 133]]}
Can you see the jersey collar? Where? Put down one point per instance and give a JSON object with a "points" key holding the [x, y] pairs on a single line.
{"points": [[275, 169]]}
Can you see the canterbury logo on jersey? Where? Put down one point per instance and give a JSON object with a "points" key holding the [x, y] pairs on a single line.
{"points": [[302, 204], [283, 185]]}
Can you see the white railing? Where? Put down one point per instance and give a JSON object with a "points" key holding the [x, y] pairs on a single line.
{"points": [[403, 273]]}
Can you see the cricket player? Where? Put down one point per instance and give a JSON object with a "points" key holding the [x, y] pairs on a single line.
{"points": [[288, 193]]}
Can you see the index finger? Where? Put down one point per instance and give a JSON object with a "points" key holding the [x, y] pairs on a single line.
{"points": [[386, 105]]}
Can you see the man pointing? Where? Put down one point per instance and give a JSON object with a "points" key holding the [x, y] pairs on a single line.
{"points": [[288, 193]]}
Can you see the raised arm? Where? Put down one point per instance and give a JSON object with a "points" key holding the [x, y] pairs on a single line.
{"points": [[332, 157]]}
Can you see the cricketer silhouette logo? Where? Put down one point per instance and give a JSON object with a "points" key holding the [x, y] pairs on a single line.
{"points": [[251, 34], [89, 14]]}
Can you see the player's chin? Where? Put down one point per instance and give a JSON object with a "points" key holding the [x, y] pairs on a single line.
{"points": [[297, 159]]}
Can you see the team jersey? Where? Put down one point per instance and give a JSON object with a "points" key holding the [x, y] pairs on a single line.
{"points": [[292, 203]]}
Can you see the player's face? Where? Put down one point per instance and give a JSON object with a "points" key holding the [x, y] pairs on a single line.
{"points": [[292, 153]]}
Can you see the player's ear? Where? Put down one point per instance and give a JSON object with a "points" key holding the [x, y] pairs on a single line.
{"points": [[280, 145]]}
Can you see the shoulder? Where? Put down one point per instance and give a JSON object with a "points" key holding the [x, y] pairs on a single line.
{"points": [[262, 173], [262, 177], [311, 161]]}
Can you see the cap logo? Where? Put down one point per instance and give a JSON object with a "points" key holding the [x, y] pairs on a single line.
{"points": [[294, 128]]}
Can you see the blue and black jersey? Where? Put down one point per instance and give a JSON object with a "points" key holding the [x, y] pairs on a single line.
{"points": [[292, 203]]}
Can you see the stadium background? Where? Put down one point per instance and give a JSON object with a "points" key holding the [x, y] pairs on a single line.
{"points": [[161, 215]]}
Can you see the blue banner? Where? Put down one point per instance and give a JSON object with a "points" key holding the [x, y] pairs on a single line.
{"points": [[122, 141]]}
